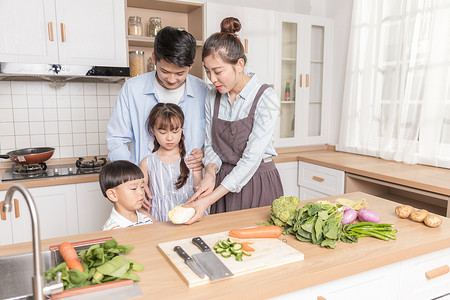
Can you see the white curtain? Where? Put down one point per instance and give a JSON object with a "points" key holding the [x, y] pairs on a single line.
{"points": [[397, 87]]}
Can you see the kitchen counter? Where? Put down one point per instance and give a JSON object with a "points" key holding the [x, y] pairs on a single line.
{"points": [[421, 177], [159, 280]]}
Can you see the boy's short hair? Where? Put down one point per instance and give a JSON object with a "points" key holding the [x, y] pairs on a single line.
{"points": [[176, 46], [117, 172]]}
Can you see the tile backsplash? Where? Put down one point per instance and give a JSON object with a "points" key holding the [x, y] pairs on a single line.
{"points": [[71, 118]]}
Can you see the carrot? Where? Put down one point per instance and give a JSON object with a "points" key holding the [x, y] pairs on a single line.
{"points": [[246, 247], [70, 256], [271, 231]]}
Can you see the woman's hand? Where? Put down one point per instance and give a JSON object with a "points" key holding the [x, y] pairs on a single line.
{"points": [[200, 207], [194, 161], [205, 187]]}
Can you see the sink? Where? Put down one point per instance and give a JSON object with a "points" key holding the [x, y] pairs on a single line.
{"points": [[17, 272]]}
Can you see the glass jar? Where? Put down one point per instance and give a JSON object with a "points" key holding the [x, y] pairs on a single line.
{"points": [[150, 65], [154, 25], [137, 63], [135, 26]]}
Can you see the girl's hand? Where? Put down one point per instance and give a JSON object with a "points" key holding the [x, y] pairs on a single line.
{"points": [[205, 187], [194, 162], [147, 203]]}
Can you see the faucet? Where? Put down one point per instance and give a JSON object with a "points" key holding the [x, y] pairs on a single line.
{"points": [[38, 279]]}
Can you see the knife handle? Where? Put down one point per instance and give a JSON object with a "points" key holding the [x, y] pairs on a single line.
{"points": [[182, 253], [201, 244]]}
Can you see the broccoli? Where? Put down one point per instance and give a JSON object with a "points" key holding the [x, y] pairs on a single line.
{"points": [[283, 209]]}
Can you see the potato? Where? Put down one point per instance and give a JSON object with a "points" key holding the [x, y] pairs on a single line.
{"points": [[419, 215], [404, 211], [432, 221]]}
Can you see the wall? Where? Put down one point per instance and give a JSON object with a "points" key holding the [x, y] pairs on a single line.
{"points": [[71, 118]]}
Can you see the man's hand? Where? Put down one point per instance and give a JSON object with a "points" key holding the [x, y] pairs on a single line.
{"points": [[194, 162]]}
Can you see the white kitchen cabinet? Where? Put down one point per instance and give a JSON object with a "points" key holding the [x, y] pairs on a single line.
{"points": [[257, 35], [317, 181], [183, 14], [416, 284], [63, 32], [404, 280], [57, 212], [93, 208], [303, 55], [288, 173], [380, 283]]}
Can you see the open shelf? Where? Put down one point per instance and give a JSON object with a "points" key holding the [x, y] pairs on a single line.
{"points": [[420, 199]]}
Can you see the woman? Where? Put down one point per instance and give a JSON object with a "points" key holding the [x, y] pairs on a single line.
{"points": [[241, 115]]}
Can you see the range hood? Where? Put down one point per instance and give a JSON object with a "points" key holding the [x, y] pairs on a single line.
{"points": [[62, 73]]}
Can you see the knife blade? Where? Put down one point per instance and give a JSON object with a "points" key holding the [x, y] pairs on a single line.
{"points": [[209, 262], [188, 260]]}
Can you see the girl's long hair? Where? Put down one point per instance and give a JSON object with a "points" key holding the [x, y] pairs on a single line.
{"points": [[169, 116]]}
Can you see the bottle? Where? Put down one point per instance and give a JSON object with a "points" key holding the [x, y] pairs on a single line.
{"points": [[135, 26], [137, 64], [154, 25], [287, 92], [293, 91]]}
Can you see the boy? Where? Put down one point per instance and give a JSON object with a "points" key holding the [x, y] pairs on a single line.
{"points": [[122, 182]]}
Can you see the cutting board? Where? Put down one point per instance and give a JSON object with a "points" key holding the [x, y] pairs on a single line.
{"points": [[269, 253]]}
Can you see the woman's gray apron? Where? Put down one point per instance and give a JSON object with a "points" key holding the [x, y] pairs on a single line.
{"points": [[229, 139]]}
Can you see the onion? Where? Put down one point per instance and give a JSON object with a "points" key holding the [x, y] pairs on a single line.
{"points": [[349, 216], [367, 215]]}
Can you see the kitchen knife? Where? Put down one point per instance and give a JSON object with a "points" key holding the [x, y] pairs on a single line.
{"points": [[209, 262], [188, 260]]}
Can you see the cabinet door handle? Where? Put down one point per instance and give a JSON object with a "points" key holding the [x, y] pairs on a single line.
{"points": [[2, 213], [63, 33], [301, 82], [437, 272], [16, 208], [245, 46], [319, 179], [50, 31], [307, 80]]}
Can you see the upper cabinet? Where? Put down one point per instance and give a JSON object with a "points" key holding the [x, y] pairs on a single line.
{"points": [[178, 14], [81, 32], [257, 36], [303, 69]]}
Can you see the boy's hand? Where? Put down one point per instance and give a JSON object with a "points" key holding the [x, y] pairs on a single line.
{"points": [[147, 203], [194, 162]]}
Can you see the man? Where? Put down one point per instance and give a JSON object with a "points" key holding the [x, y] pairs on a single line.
{"points": [[174, 53]]}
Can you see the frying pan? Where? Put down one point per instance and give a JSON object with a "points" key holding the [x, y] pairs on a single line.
{"points": [[30, 155]]}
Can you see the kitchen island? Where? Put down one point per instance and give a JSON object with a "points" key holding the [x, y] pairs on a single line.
{"points": [[159, 280]]}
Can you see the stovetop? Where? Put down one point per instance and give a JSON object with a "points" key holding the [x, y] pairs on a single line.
{"points": [[80, 167]]}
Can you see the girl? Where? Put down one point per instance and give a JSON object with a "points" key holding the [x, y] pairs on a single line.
{"points": [[241, 115], [170, 181]]}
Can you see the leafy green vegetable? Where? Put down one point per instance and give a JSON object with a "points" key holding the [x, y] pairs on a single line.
{"points": [[282, 209], [318, 223], [101, 263]]}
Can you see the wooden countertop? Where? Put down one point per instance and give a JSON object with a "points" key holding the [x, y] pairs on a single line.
{"points": [[159, 280], [416, 176], [422, 177]]}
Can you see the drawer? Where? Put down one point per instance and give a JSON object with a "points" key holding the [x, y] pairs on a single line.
{"points": [[308, 194], [416, 285], [321, 179]]}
